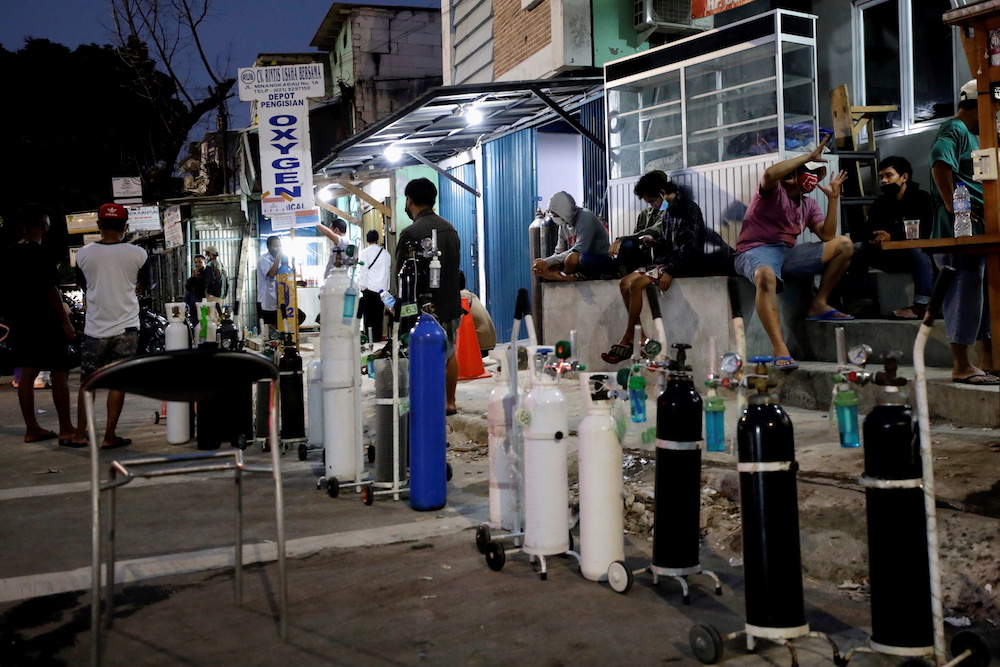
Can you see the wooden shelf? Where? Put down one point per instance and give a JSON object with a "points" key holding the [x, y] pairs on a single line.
{"points": [[984, 243]]}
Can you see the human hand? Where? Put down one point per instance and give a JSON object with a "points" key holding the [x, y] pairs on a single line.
{"points": [[615, 247], [647, 239], [832, 191], [538, 266], [817, 153], [878, 236]]}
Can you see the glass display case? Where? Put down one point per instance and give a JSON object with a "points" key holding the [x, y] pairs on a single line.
{"points": [[740, 91]]}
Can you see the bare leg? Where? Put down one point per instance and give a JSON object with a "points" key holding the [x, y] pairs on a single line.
{"points": [[555, 274], [766, 302], [837, 255], [26, 397], [637, 282], [80, 435], [116, 400], [451, 381], [961, 367], [986, 354], [60, 397], [572, 263]]}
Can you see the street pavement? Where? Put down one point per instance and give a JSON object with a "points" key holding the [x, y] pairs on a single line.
{"points": [[385, 585]]}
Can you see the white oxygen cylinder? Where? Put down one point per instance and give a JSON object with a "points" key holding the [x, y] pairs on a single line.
{"points": [[546, 473], [177, 337], [500, 419], [314, 398], [602, 517], [340, 355]]}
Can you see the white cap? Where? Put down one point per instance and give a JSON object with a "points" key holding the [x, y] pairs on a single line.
{"points": [[968, 91]]}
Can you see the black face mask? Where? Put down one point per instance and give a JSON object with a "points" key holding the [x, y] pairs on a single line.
{"points": [[891, 189]]}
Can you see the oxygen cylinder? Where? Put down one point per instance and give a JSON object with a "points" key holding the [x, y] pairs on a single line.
{"points": [[229, 337], [550, 236], [292, 408], [902, 615], [500, 419], [384, 413], [602, 521], [678, 472], [772, 560], [341, 365], [314, 399], [207, 327], [546, 481], [428, 462], [177, 336], [288, 307], [407, 301], [536, 250]]}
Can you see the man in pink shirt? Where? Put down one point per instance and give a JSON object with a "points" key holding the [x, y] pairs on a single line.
{"points": [[767, 247]]}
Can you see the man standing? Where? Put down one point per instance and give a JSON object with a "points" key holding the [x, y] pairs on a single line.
{"points": [[766, 249], [582, 248], [966, 310], [267, 282], [373, 277], [220, 289], [40, 330], [108, 271], [202, 283], [421, 195]]}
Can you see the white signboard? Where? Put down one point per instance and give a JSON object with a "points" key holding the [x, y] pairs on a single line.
{"points": [[282, 94], [124, 187], [173, 233], [91, 238], [172, 214], [307, 218], [144, 218], [81, 223]]}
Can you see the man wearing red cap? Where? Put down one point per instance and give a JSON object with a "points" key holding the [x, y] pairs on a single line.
{"points": [[108, 272]]}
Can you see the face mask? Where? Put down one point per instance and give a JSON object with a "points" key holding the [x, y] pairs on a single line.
{"points": [[409, 213], [807, 181], [665, 205], [891, 189]]}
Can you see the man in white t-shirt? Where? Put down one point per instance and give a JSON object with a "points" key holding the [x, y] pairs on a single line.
{"points": [[108, 271], [373, 276]]}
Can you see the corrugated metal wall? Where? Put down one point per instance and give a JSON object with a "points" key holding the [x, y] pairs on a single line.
{"points": [[595, 165], [510, 181], [458, 206]]}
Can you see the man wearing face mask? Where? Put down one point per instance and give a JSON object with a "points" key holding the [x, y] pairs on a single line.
{"points": [[767, 247], [421, 195], [901, 199], [631, 252], [582, 248]]}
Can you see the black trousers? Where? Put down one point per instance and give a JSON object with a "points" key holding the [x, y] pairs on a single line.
{"points": [[373, 312]]}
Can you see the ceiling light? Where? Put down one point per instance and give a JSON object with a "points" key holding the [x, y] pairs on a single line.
{"points": [[473, 116], [393, 153]]}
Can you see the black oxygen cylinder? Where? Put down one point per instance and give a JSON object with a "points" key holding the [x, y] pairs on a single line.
{"points": [[902, 615], [550, 236], [292, 406], [772, 559], [407, 281], [677, 532], [262, 411]]}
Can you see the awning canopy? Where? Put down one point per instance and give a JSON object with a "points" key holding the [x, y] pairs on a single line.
{"points": [[436, 126]]}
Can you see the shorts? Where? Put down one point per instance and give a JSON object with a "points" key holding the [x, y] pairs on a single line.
{"points": [[451, 330], [803, 259], [96, 353], [595, 265], [40, 348]]}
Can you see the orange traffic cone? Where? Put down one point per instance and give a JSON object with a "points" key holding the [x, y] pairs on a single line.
{"points": [[470, 361]]}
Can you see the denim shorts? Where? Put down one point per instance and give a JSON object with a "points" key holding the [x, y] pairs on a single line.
{"points": [[96, 353], [802, 259]]}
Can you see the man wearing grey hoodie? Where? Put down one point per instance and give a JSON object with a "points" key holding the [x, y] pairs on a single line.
{"points": [[582, 249]]}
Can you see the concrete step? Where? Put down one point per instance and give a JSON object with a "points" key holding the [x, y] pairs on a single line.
{"points": [[884, 336], [811, 387]]}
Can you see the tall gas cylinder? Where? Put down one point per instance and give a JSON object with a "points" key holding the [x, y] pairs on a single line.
{"points": [[314, 398], [385, 411], [602, 520], [678, 472], [902, 615], [293, 416], [546, 482], [500, 419], [228, 336], [341, 354], [428, 461], [772, 560], [177, 336], [406, 304]]}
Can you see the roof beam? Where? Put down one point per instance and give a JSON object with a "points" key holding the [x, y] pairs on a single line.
{"points": [[457, 181], [342, 213], [361, 194], [566, 117]]}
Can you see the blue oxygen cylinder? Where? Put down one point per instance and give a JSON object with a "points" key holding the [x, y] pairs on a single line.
{"points": [[428, 464]]}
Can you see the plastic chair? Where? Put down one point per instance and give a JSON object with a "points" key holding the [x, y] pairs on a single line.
{"points": [[168, 377]]}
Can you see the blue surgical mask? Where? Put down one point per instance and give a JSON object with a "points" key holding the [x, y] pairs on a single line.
{"points": [[665, 205]]}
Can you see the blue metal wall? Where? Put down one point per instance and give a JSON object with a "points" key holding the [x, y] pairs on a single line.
{"points": [[458, 206], [509, 191], [595, 168]]}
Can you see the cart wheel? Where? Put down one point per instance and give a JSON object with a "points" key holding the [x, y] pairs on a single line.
{"points": [[544, 576], [156, 417], [495, 556], [241, 442], [333, 487], [367, 495], [916, 662], [264, 446], [448, 472], [706, 644], [979, 651], [371, 453], [483, 537], [303, 452], [620, 577]]}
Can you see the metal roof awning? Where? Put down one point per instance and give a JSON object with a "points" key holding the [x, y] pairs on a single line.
{"points": [[434, 127]]}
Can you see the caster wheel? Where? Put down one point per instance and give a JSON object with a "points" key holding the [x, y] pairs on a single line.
{"points": [[241, 442], [706, 644], [620, 577], [303, 452], [333, 487], [371, 453], [483, 538], [495, 556], [544, 576], [979, 651], [448, 472], [156, 417], [320, 483], [264, 447], [916, 662], [686, 599], [367, 495]]}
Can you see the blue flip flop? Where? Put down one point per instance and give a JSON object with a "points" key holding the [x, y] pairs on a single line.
{"points": [[790, 366], [832, 315]]}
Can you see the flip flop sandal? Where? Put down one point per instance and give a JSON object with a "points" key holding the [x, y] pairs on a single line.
{"points": [[790, 366], [120, 442], [618, 353]]}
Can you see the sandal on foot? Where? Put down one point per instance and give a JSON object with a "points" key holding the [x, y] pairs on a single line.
{"points": [[789, 365], [119, 442], [618, 353]]}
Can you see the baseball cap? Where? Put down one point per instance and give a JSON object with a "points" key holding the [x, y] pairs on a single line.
{"points": [[212, 250], [968, 91], [113, 212]]}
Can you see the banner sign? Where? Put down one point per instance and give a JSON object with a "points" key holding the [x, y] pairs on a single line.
{"points": [[144, 218], [703, 8], [81, 223], [126, 187], [283, 221], [282, 94], [172, 214], [173, 232]]}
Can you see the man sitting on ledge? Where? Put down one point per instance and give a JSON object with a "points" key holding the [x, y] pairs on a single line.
{"points": [[582, 249], [766, 249]]}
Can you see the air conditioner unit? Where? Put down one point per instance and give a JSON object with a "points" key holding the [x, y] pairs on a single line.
{"points": [[672, 17]]}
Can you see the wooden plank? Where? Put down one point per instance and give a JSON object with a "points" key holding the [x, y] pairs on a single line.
{"points": [[361, 194], [842, 123], [981, 244], [336, 211]]}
